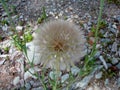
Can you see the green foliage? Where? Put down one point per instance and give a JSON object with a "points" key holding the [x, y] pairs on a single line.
{"points": [[6, 49], [103, 24], [4, 21], [43, 16], [28, 37], [18, 42], [89, 62], [108, 73], [117, 2]]}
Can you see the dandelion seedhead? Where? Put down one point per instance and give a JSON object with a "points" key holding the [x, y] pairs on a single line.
{"points": [[58, 44]]}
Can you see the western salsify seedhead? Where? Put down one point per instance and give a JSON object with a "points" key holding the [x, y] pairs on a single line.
{"points": [[58, 44]]}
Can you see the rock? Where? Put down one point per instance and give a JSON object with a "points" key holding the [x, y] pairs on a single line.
{"points": [[118, 82], [36, 84], [5, 28], [16, 80], [118, 18], [31, 82], [22, 82], [106, 81], [109, 65], [53, 75], [113, 30], [114, 47], [98, 46], [19, 28], [98, 75], [119, 52], [106, 40], [85, 26], [4, 14], [64, 78], [21, 17], [97, 54], [27, 86], [114, 26], [90, 88], [75, 70], [38, 88], [118, 65], [2, 61], [30, 73], [95, 87], [106, 34], [84, 82], [103, 61], [114, 61]]}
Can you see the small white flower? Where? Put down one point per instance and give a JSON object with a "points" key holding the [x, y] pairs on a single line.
{"points": [[57, 44]]}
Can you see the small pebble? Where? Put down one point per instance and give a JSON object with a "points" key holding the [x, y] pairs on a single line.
{"points": [[118, 82], [114, 47], [38, 88], [118, 66], [106, 81], [114, 26], [103, 61], [5, 28], [19, 28], [114, 60], [97, 54], [98, 75], [2, 61], [64, 78], [75, 70], [27, 86], [54, 75], [16, 80]]}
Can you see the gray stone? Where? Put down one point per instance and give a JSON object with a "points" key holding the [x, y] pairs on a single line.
{"points": [[21, 17], [38, 88], [4, 14], [106, 40], [53, 75], [118, 18], [32, 82], [16, 80], [97, 54], [2, 61], [86, 80], [119, 52], [114, 60], [75, 70], [27, 86], [106, 34], [114, 47], [106, 81], [109, 65], [98, 75], [22, 82], [118, 82], [64, 77], [103, 61], [113, 30], [118, 66], [36, 84], [29, 73], [114, 26], [19, 28], [5, 28]]}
